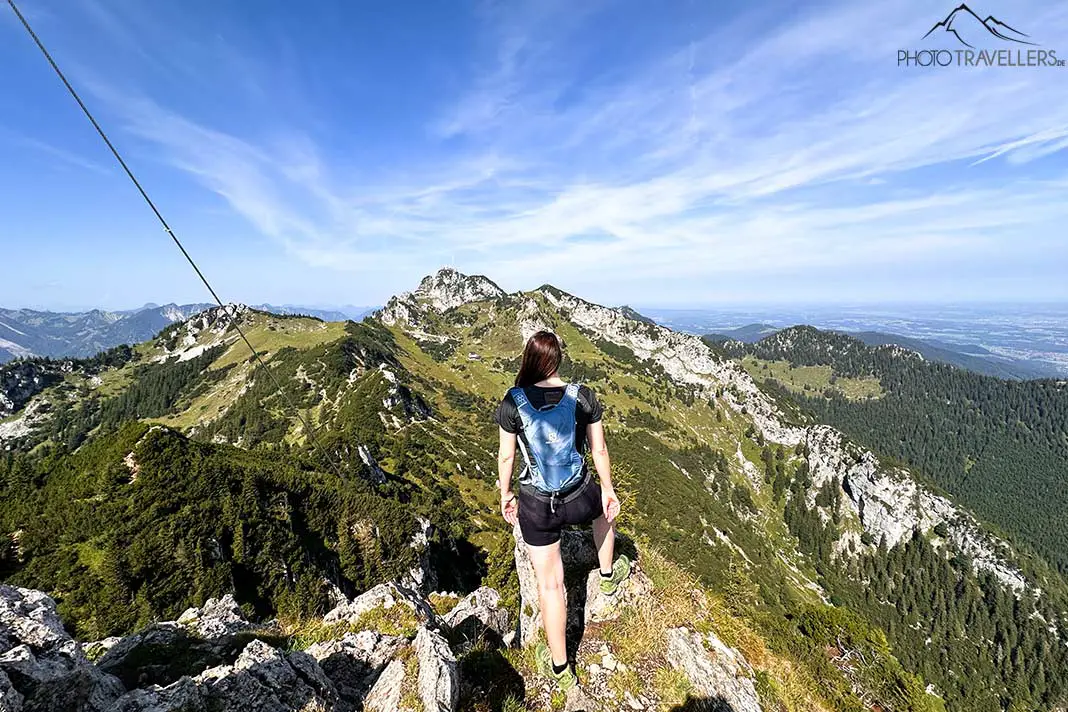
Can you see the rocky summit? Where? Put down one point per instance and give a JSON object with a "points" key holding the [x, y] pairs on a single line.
{"points": [[386, 650], [811, 520]]}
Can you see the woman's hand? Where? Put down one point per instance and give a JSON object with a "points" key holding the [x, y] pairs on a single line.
{"points": [[510, 507], [610, 503]]}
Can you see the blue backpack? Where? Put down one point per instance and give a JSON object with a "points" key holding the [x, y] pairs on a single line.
{"points": [[553, 461]]}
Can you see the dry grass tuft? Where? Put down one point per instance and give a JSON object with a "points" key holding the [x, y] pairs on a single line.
{"points": [[672, 687], [443, 603], [396, 620], [410, 685], [303, 634]]}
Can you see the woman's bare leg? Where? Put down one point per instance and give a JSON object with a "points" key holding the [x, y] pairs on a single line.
{"points": [[549, 571], [604, 538]]}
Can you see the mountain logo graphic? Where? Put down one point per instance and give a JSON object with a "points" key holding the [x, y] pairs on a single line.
{"points": [[964, 24]]}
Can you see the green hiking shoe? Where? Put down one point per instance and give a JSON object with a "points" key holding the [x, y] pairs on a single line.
{"points": [[620, 572], [565, 680]]}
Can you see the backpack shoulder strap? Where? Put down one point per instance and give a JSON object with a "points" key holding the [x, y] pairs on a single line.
{"points": [[570, 398], [519, 397]]}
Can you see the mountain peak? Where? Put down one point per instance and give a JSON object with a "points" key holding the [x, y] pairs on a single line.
{"points": [[445, 289], [448, 288], [632, 313]]}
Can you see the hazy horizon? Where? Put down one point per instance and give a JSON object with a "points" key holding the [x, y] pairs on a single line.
{"points": [[732, 306], [735, 307]]}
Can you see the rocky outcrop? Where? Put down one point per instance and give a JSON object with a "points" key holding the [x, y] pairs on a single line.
{"points": [[22, 380], [890, 504], [41, 667], [529, 609], [56, 681], [425, 673], [422, 577], [717, 673], [384, 596], [448, 288], [401, 406], [166, 666], [439, 679], [531, 319], [217, 618], [373, 473], [262, 679], [355, 662], [600, 608], [36, 414], [437, 293], [29, 617], [684, 357], [212, 658], [386, 695], [478, 618], [201, 638], [201, 332], [94, 650], [10, 698]]}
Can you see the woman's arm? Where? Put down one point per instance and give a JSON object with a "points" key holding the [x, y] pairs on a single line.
{"points": [[505, 466], [603, 465]]}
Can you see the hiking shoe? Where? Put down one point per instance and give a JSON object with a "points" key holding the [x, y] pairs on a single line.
{"points": [[564, 680], [620, 572]]}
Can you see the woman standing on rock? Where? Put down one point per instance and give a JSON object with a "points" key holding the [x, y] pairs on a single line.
{"points": [[554, 423]]}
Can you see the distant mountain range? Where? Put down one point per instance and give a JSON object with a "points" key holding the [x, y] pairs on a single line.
{"points": [[26, 332], [967, 356]]}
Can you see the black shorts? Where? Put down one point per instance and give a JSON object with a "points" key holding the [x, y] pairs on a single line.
{"points": [[541, 525]]}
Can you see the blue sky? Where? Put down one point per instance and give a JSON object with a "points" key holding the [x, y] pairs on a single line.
{"points": [[686, 153]]}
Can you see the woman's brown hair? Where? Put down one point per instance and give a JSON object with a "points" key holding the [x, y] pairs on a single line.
{"points": [[541, 358]]}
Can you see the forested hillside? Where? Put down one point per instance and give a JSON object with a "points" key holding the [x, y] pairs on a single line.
{"points": [[999, 446], [142, 521], [176, 471]]}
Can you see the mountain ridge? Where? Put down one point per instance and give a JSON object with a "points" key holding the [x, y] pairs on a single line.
{"points": [[970, 357], [805, 532], [28, 333], [923, 403], [680, 355]]}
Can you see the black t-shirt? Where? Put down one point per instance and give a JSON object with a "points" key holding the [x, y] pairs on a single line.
{"points": [[588, 410]]}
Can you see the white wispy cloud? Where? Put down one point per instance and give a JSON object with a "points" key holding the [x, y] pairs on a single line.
{"points": [[63, 156], [756, 143]]}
